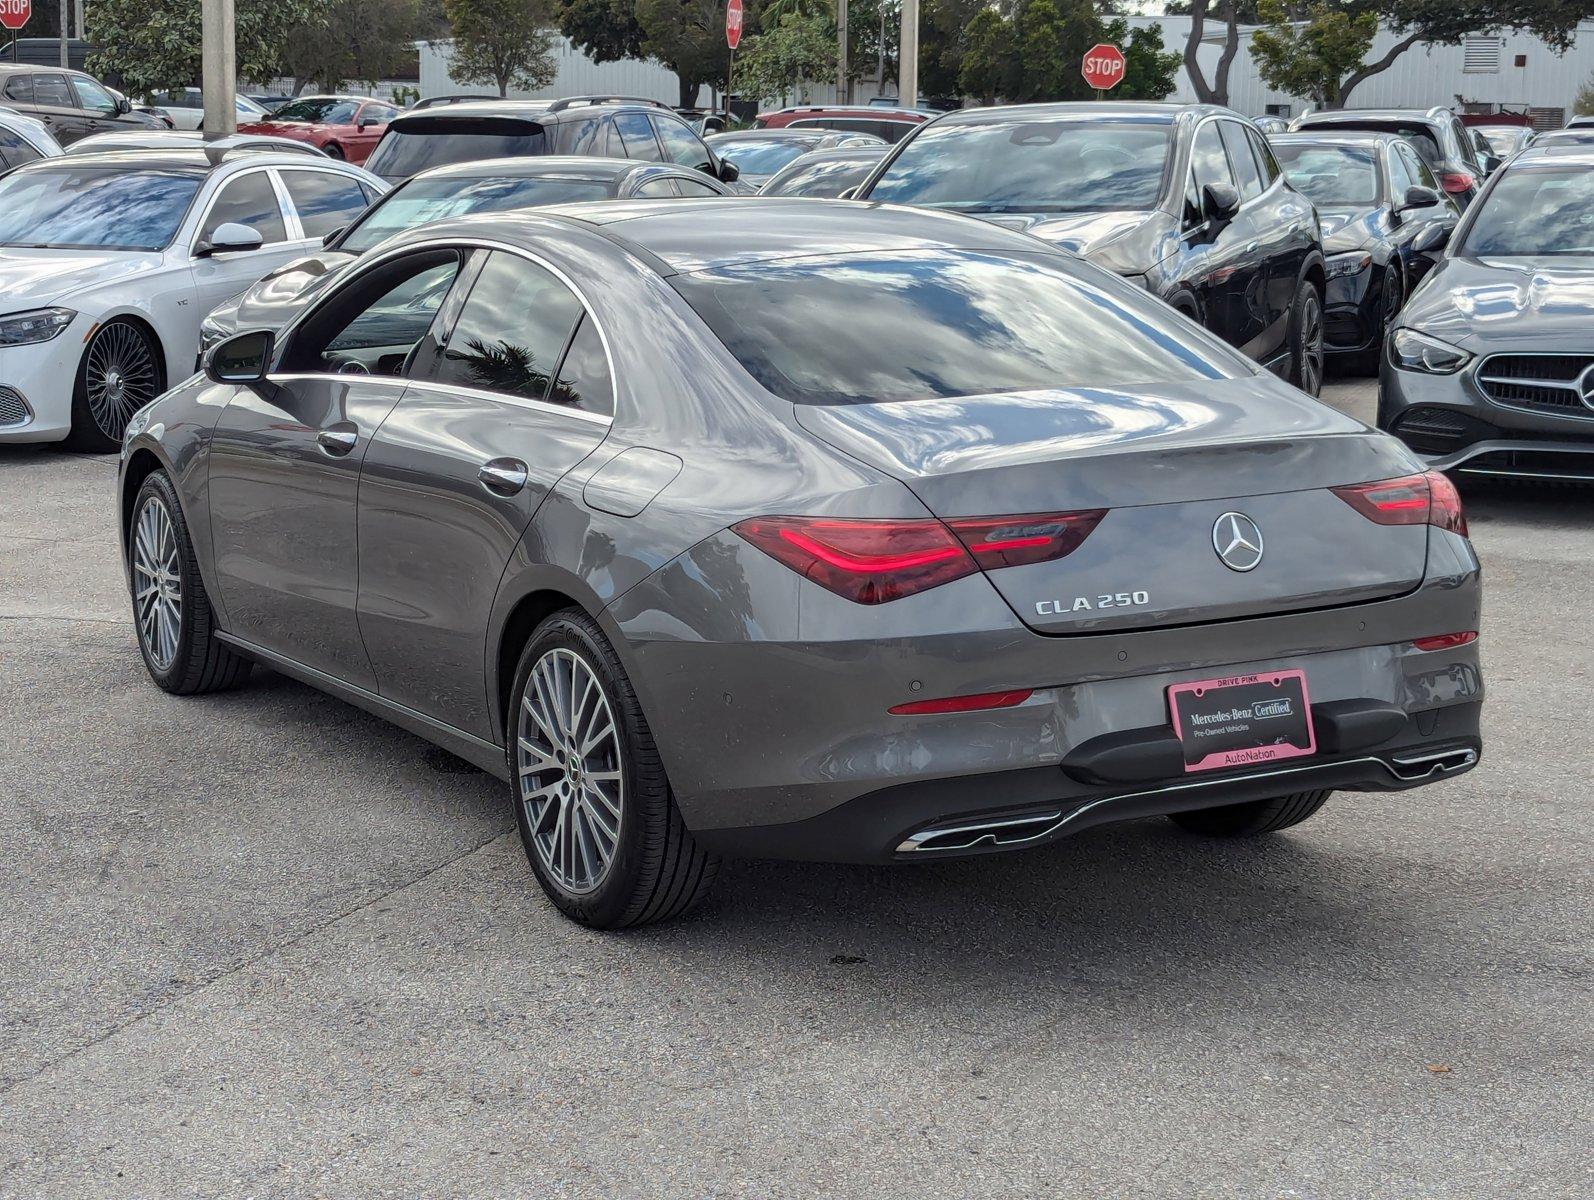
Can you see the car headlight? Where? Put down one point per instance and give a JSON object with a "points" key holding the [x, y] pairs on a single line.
{"points": [[1340, 265], [40, 325], [1413, 351]]}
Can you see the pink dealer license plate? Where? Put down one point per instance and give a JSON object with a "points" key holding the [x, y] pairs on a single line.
{"points": [[1241, 720]]}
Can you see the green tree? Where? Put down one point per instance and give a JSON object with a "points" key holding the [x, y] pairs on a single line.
{"points": [[943, 40], [501, 42], [987, 59], [1051, 39], [607, 30], [343, 40], [688, 37], [779, 60], [1149, 72], [153, 45]]}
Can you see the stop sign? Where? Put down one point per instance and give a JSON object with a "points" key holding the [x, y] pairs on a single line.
{"points": [[14, 14], [733, 22], [1103, 67]]}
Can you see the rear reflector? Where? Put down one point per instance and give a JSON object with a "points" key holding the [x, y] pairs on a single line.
{"points": [[876, 561], [1446, 641], [1427, 499], [975, 703]]}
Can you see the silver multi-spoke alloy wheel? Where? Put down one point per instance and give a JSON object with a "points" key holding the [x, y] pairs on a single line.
{"points": [[157, 583], [571, 786], [120, 376]]}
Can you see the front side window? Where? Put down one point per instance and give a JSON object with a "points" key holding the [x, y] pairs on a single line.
{"points": [[247, 200], [825, 179], [764, 156], [1209, 164], [324, 201], [1535, 211], [323, 110], [421, 201], [682, 146], [93, 97], [1331, 174], [918, 325], [512, 330], [1030, 166], [1264, 157], [97, 208], [374, 324], [636, 132], [1241, 159]]}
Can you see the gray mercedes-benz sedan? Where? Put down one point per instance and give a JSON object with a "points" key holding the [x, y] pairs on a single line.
{"points": [[1489, 368], [803, 528]]}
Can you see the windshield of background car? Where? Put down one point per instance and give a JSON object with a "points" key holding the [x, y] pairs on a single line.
{"points": [[756, 157], [422, 201], [1030, 166], [1504, 141], [410, 147], [98, 209], [1533, 211], [916, 325], [324, 111], [1330, 174]]}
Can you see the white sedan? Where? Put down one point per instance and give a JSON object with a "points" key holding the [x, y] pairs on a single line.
{"points": [[108, 263]]}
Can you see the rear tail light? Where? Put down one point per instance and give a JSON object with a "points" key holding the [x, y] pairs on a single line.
{"points": [[1455, 182], [877, 561], [1426, 499], [1446, 641], [952, 704]]}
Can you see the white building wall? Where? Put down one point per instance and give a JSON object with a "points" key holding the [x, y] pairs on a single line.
{"points": [[1420, 78], [578, 76]]}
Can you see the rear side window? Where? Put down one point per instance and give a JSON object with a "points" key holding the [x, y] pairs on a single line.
{"points": [[52, 90], [411, 146], [584, 380], [323, 200], [922, 325], [512, 330], [20, 89], [694, 188], [14, 151], [1265, 161], [247, 200], [636, 131], [1241, 159], [592, 137], [657, 189]]}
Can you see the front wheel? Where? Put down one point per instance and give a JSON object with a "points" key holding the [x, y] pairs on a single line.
{"points": [[334, 151], [1253, 818], [120, 373], [1306, 339], [596, 817], [1390, 297], [171, 612]]}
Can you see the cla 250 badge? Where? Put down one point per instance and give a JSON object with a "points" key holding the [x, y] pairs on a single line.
{"points": [[1057, 608]]}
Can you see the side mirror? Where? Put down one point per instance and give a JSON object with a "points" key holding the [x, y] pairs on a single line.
{"points": [[230, 238], [729, 172], [333, 235], [244, 358], [364, 123], [1219, 202], [1419, 197], [123, 106], [1432, 239]]}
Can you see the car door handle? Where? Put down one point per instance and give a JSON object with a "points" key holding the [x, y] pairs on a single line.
{"points": [[503, 476], [337, 440]]}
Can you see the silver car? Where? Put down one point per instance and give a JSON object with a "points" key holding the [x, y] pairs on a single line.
{"points": [[802, 528]]}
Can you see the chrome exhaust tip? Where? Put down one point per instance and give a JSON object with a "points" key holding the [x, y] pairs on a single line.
{"points": [[1009, 831], [1413, 767]]}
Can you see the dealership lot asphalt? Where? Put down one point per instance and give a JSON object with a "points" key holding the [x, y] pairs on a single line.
{"points": [[260, 944]]}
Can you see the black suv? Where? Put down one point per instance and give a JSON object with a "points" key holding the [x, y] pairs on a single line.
{"points": [[596, 126], [71, 103], [1185, 200], [1438, 136]]}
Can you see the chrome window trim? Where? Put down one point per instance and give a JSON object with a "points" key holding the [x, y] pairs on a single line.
{"points": [[443, 389], [473, 244]]}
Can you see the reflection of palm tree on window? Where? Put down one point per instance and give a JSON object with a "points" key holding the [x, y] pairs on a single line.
{"points": [[502, 368]]}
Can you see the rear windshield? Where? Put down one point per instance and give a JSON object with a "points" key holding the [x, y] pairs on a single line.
{"points": [[413, 146], [1330, 174], [1030, 166], [103, 209], [1421, 137], [1534, 211], [421, 201], [867, 328]]}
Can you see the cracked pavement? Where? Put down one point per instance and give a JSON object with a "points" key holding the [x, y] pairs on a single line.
{"points": [[260, 944]]}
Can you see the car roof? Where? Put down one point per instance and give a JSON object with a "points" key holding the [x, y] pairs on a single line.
{"points": [[839, 154], [861, 110], [536, 166], [1346, 137], [1342, 115], [1139, 111], [198, 160], [693, 235], [1559, 153], [547, 112], [785, 132]]}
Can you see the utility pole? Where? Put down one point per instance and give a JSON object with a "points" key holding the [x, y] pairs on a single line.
{"points": [[908, 67], [219, 68], [65, 58], [77, 18], [843, 84]]}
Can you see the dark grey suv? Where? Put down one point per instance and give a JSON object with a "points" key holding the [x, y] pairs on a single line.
{"points": [[590, 126], [72, 104]]}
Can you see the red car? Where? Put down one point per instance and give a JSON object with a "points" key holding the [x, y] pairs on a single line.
{"points": [[347, 127], [892, 124]]}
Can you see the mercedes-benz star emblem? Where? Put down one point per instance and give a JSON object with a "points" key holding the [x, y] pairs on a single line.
{"points": [[1238, 541], [1585, 385]]}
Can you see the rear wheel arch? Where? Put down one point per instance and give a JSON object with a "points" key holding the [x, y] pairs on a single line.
{"points": [[519, 622]]}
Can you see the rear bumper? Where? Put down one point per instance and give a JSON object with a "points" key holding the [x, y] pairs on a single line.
{"points": [[1012, 810]]}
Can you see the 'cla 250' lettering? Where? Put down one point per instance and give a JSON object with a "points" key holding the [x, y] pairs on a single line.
{"points": [[1058, 608]]}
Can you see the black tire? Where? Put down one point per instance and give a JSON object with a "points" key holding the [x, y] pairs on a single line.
{"points": [[334, 151], [1306, 339], [199, 662], [1393, 295], [1252, 818], [98, 418], [656, 870]]}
